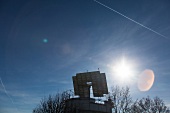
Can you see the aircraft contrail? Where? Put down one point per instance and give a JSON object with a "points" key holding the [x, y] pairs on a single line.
{"points": [[130, 19], [7, 93]]}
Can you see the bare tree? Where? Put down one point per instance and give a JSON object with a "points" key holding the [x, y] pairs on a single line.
{"points": [[147, 105], [53, 104], [121, 99], [159, 106]]}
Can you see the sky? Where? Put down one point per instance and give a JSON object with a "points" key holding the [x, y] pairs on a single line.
{"points": [[44, 43]]}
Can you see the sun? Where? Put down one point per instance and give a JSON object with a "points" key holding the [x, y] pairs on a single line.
{"points": [[123, 70]]}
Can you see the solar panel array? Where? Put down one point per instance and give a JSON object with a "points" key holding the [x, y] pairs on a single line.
{"points": [[82, 84]]}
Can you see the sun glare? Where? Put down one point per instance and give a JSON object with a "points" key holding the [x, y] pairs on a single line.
{"points": [[123, 70]]}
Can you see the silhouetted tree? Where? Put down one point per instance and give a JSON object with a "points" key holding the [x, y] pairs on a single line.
{"points": [[122, 103], [121, 99], [54, 104], [147, 105]]}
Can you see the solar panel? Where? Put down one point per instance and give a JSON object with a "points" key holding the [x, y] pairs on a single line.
{"points": [[83, 81]]}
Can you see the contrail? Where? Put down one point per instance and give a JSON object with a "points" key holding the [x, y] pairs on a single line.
{"points": [[130, 19], [7, 93]]}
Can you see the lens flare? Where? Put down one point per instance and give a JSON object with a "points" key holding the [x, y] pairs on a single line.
{"points": [[45, 40], [146, 80]]}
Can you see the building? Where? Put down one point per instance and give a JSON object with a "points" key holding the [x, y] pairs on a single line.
{"points": [[84, 103]]}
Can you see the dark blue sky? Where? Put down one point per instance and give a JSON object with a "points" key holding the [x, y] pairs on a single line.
{"points": [[44, 43]]}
